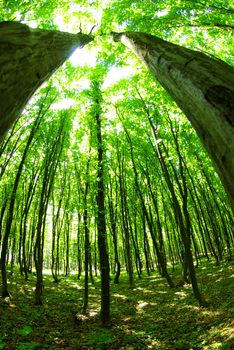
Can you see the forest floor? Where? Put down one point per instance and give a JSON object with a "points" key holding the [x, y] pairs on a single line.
{"points": [[149, 316]]}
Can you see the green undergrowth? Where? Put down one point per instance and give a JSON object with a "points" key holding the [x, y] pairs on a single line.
{"points": [[148, 316]]}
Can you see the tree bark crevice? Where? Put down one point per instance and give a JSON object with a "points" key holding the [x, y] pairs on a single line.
{"points": [[28, 57], [202, 86]]}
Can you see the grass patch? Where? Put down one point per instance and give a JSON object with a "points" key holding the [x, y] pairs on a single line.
{"points": [[149, 316]]}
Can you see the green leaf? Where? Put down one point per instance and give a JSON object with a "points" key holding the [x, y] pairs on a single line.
{"points": [[26, 330], [27, 346], [101, 338], [1, 344], [224, 346], [21, 318]]}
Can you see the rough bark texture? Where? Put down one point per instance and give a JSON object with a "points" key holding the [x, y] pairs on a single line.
{"points": [[203, 87], [27, 58]]}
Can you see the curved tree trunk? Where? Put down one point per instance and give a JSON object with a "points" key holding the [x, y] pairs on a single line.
{"points": [[203, 87], [28, 57]]}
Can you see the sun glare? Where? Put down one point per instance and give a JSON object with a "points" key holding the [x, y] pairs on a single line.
{"points": [[84, 56], [63, 104], [117, 73]]}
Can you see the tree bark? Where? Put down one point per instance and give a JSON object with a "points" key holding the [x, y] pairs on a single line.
{"points": [[203, 87], [101, 213], [28, 57]]}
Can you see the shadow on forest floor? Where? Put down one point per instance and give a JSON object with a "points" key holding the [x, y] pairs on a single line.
{"points": [[149, 316]]}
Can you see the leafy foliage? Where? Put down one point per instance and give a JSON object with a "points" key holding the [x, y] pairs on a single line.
{"points": [[26, 330], [148, 315]]}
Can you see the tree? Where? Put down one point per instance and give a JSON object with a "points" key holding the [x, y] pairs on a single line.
{"points": [[86, 240], [127, 174], [101, 212], [54, 148], [160, 257], [5, 292], [203, 87], [28, 57]]}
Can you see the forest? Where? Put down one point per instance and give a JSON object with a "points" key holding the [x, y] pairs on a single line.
{"points": [[116, 174]]}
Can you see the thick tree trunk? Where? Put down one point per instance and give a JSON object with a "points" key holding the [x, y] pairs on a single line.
{"points": [[27, 58], [203, 87]]}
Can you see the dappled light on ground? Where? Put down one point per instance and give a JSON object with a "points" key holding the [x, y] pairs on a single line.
{"points": [[149, 316]]}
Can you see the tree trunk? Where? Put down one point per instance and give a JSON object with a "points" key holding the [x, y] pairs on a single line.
{"points": [[10, 217], [79, 257], [28, 57], [50, 165], [86, 241], [101, 216], [159, 253], [113, 228], [203, 87]]}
